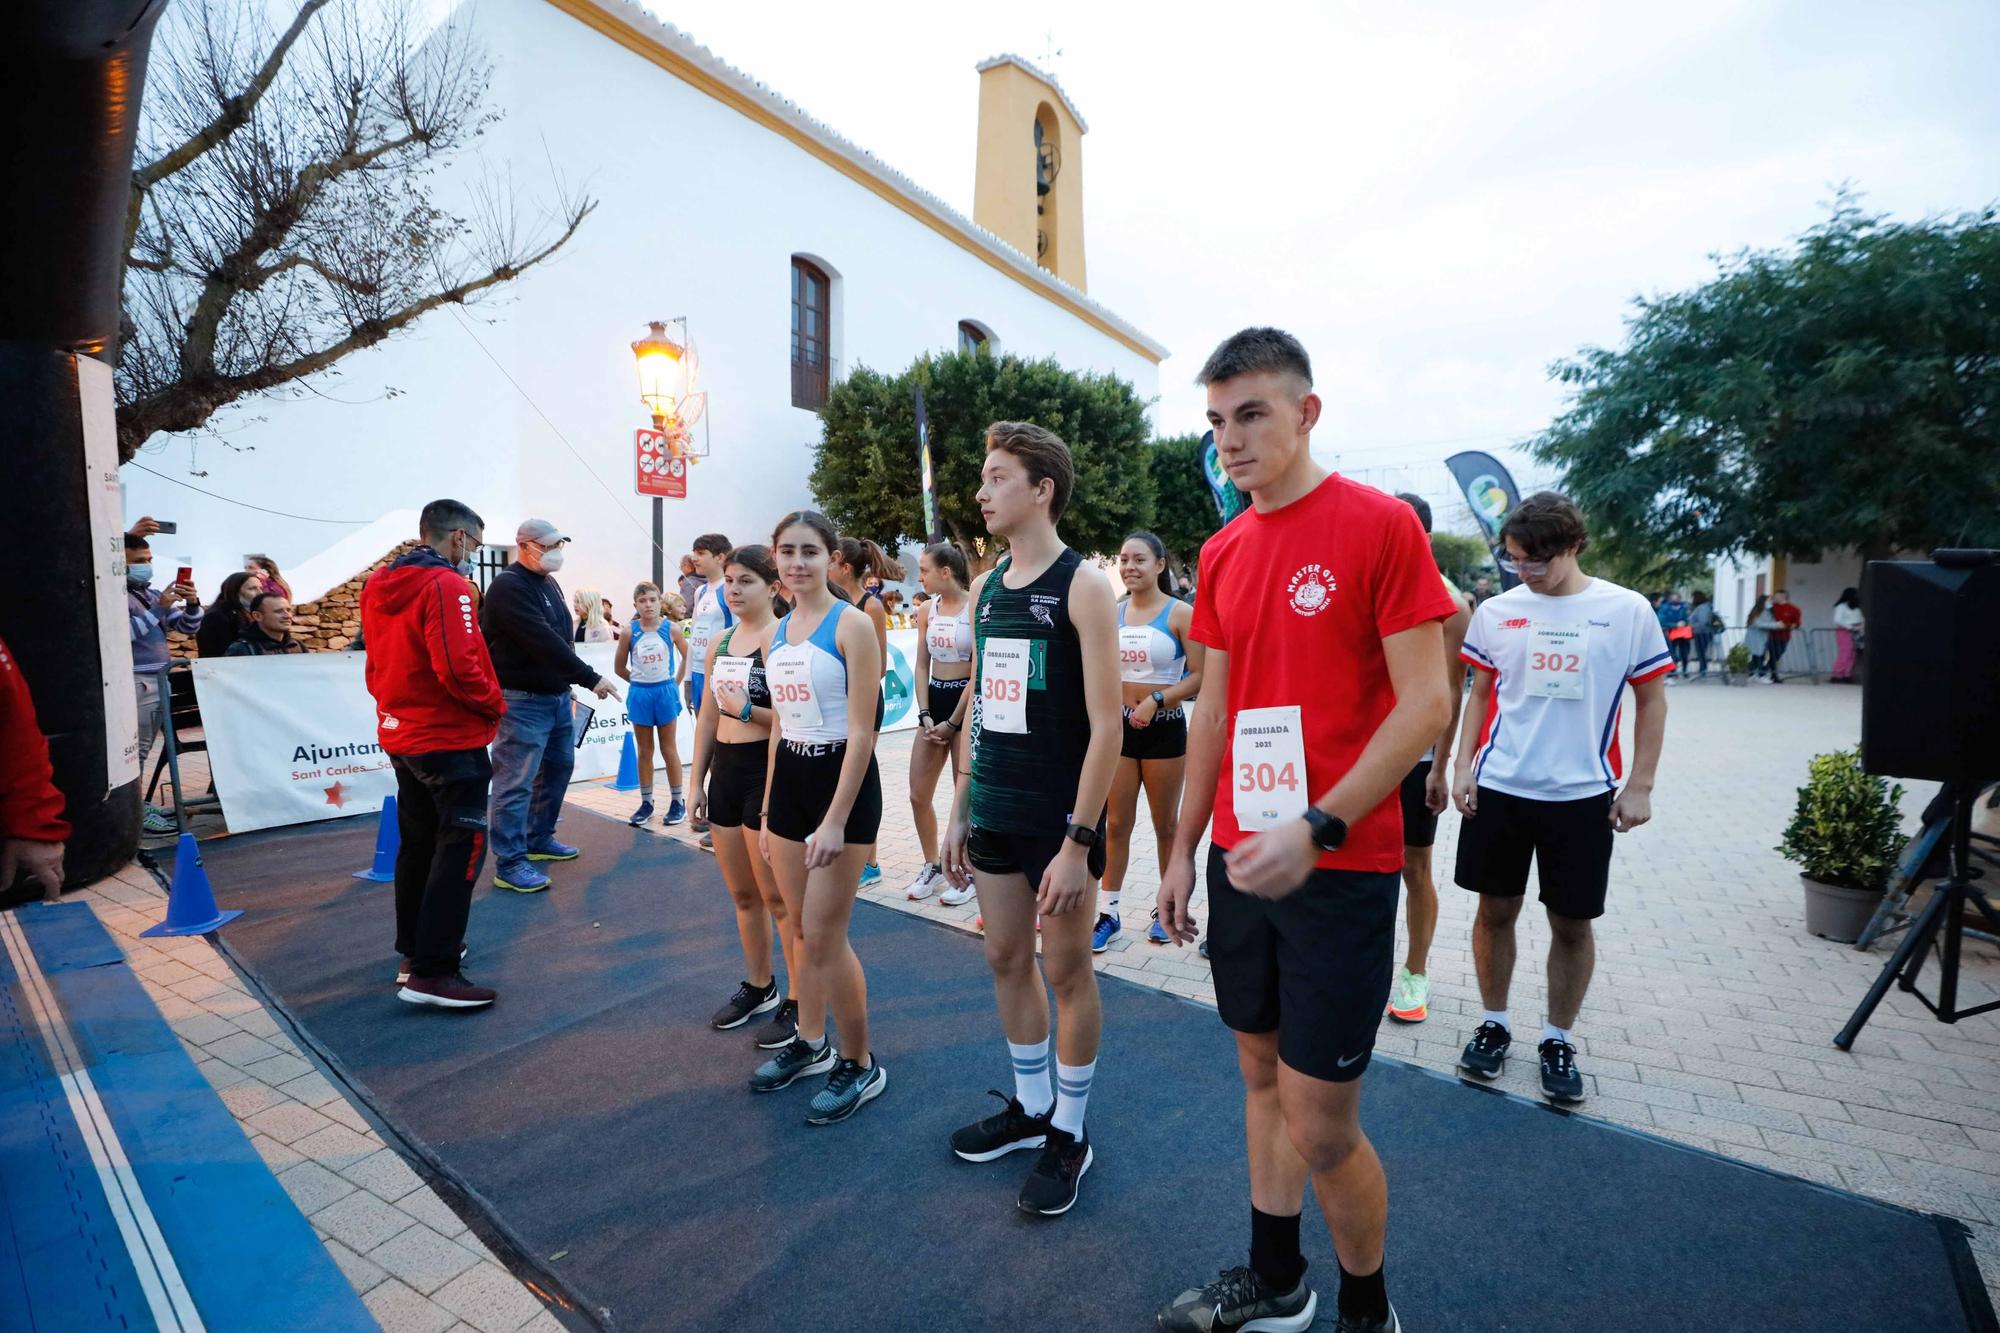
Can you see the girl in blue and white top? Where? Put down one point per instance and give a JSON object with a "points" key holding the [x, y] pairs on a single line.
{"points": [[822, 811], [1159, 670], [653, 656], [944, 667]]}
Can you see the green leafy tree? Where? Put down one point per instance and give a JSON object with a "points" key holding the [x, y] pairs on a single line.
{"points": [[1184, 514], [1460, 558], [866, 473], [1842, 393]]}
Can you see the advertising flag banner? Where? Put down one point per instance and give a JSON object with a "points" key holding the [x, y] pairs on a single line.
{"points": [[1229, 502], [931, 533], [1491, 493]]}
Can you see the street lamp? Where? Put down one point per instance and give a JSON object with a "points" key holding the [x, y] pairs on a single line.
{"points": [[663, 387]]}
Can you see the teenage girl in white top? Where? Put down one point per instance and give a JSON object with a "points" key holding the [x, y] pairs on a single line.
{"points": [[944, 666]]}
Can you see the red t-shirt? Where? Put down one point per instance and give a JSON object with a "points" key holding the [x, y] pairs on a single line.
{"points": [[1789, 616], [1301, 599]]}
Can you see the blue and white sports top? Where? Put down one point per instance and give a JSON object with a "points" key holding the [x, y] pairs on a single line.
{"points": [[809, 681], [949, 638], [650, 654], [1150, 654]]}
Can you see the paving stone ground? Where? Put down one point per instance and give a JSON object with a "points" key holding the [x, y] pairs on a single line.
{"points": [[1710, 1019]]}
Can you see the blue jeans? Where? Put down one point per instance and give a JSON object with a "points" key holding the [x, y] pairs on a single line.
{"points": [[532, 759]]}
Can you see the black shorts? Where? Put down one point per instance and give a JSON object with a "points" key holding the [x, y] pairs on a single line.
{"points": [[944, 697], [1420, 826], [1569, 841], [1026, 854], [736, 784], [1165, 737], [802, 788], [1313, 966]]}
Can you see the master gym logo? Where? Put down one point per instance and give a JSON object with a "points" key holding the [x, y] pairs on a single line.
{"points": [[1311, 590]]}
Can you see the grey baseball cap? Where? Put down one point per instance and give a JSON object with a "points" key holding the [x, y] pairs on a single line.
{"points": [[539, 531]]}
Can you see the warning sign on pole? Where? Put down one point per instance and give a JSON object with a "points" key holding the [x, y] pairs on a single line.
{"points": [[661, 470]]}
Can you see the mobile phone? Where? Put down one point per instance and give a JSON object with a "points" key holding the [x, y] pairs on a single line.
{"points": [[185, 574], [168, 528]]}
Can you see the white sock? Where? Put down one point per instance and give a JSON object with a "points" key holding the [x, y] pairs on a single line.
{"points": [[1560, 1034], [1072, 1092], [674, 792], [646, 795], [1111, 905], [1031, 1076], [1498, 1016]]}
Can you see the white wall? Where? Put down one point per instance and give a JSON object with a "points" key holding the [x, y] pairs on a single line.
{"points": [[699, 212]]}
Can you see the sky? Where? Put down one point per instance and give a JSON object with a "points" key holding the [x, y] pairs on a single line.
{"points": [[1440, 199]]}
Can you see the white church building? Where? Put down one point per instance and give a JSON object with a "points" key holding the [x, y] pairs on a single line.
{"points": [[793, 254]]}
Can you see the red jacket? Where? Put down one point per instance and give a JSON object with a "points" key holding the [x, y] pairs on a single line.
{"points": [[1789, 616], [433, 683], [30, 805]]}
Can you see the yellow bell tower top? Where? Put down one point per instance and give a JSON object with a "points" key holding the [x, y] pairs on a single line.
{"points": [[1029, 186]]}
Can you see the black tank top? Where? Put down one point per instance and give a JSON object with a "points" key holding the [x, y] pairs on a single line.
{"points": [[1027, 784], [760, 686]]}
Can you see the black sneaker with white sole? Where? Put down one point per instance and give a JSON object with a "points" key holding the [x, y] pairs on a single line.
{"points": [[1562, 1081], [1240, 1302], [1051, 1187], [1357, 1324], [452, 992], [748, 1001], [794, 1062], [784, 1026], [1002, 1132], [1486, 1053], [403, 968]]}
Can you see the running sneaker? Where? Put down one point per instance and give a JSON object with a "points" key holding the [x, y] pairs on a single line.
{"points": [[1487, 1051], [871, 875], [156, 820], [707, 841], [548, 849], [848, 1088], [452, 992], [1562, 1081], [782, 1028], [641, 815], [1002, 1132], [1350, 1323], [1051, 1187], [746, 1004], [954, 896], [521, 877], [1203, 950], [1156, 932], [1107, 926], [1240, 1300], [927, 882], [699, 825], [403, 969], [676, 812], [1410, 998], [795, 1061]]}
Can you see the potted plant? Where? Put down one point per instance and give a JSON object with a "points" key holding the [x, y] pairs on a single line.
{"points": [[1736, 664], [1844, 837]]}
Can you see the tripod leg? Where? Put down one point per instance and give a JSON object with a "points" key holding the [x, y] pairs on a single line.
{"points": [[1909, 955]]}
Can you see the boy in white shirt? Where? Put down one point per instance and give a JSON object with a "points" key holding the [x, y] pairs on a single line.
{"points": [[1539, 768]]}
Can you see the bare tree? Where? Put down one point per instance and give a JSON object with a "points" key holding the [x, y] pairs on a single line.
{"points": [[287, 210]]}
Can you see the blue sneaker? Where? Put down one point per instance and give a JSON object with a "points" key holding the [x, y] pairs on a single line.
{"points": [[1156, 932], [641, 815], [676, 812], [1203, 951], [848, 1088], [871, 874], [521, 877], [551, 850], [1107, 926]]}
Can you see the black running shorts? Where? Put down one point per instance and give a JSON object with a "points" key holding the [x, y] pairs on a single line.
{"points": [[1313, 966], [944, 697], [1420, 826], [802, 787], [1026, 854], [1569, 842], [736, 784], [1165, 737]]}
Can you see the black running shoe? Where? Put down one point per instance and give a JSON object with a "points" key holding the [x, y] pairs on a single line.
{"points": [[784, 1026], [848, 1088], [1051, 1187], [1562, 1081], [1487, 1051], [1239, 1301], [745, 1004], [795, 1061], [1000, 1133], [1357, 1324]]}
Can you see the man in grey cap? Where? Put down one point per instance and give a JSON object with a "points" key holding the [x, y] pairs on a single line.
{"points": [[529, 632]]}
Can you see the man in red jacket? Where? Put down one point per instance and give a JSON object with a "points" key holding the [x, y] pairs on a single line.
{"points": [[437, 705], [32, 832]]}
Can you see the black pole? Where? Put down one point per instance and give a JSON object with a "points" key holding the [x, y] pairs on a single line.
{"points": [[71, 73], [660, 544]]}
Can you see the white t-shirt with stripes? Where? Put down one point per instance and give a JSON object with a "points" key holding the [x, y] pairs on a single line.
{"points": [[1561, 666]]}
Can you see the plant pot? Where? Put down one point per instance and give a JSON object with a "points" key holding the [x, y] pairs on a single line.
{"points": [[1835, 912]]}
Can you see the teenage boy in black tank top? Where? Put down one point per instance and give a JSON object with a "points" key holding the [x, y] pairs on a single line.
{"points": [[1028, 828]]}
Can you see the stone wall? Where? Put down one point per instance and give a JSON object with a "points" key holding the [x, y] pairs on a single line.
{"points": [[329, 624]]}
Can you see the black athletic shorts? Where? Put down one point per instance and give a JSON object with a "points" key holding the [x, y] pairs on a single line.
{"points": [[1165, 737], [1420, 826], [1027, 854], [1569, 841], [802, 788], [1313, 966], [944, 697], [736, 784]]}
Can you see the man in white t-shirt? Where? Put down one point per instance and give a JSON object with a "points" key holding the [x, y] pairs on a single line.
{"points": [[1539, 768]]}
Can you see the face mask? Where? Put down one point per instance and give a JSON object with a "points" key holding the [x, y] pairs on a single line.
{"points": [[139, 574], [552, 560]]}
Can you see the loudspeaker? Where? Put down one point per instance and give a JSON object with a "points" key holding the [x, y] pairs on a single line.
{"points": [[1930, 707]]}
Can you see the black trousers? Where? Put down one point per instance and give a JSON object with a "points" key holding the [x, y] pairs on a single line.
{"points": [[441, 817]]}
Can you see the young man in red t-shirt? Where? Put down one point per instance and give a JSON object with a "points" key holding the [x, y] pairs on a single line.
{"points": [[1321, 610], [1789, 619]]}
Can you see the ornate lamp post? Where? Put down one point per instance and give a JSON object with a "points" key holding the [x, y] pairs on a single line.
{"points": [[664, 373]]}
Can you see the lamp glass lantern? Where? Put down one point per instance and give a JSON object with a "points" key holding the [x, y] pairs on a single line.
{"points": [[663, 373]]}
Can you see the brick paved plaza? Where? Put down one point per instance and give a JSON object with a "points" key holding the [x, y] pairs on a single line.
{"points": [[1709, 1021]]}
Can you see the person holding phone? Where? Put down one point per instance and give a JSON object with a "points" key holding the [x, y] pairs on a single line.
{"points": [[151, 614]]}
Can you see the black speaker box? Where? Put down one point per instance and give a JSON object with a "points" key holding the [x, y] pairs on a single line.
{"points": [[1931, 705]]}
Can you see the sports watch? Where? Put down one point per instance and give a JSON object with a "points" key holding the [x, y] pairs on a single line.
{"points": [[1328, 831], [1083, 835], [1159, 698]]}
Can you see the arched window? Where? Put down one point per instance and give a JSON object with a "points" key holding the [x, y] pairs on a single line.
{"points": [[972, 337], [812, 325]]}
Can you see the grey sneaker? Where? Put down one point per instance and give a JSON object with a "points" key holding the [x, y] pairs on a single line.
{"points": [[794, 1062], [1239, 1299], [848, 1088]]}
